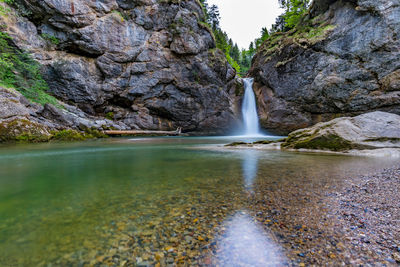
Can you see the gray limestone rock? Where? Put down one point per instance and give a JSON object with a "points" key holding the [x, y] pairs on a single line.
{"points": [[367, 131], [112, 55], [343, 61]]}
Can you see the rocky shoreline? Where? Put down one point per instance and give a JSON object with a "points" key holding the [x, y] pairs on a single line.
{"points": [[382, 152], [355, 226], [370, 211]]}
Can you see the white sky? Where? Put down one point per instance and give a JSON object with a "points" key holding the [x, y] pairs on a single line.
{"points": [[243, 19]]}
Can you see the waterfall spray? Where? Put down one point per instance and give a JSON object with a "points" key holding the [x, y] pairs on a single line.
{"points": [[249, 110]]}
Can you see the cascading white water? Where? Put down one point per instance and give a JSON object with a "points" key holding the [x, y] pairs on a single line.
{"points": [[249, 110]]}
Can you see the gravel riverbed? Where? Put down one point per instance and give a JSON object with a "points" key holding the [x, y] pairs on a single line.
{"points": [[355, 223], [315, 218]]}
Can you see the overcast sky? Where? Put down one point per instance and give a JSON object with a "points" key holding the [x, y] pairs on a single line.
{"points": [[243, 19]]}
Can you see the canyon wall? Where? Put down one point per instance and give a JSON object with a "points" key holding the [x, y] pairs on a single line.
{"points": [[342, 60], [142, 64]]}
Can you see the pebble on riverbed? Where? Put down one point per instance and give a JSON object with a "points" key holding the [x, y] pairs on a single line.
{"points": [[335, 224]]}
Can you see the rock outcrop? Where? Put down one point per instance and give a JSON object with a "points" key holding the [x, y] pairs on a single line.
{"points": [[143, 64], [342, 60], [22, 120], [367, 131]]}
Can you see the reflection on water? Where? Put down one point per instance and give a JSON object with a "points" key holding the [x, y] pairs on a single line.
{"points": [[249, 167], [115, 201], [244, 243]]}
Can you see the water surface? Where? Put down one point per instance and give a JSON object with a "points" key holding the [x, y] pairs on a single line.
{"points": [[144, 200]]}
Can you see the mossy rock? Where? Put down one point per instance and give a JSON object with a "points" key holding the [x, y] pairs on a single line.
{"points": [[23, 130], [323, 142], [267, 142], [67, 135], [216, 58], [304, 35], [237, 144], [73, 135], [94, 133]]}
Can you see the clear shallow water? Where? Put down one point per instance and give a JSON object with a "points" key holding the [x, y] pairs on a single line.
{"points": [[78, 202]]}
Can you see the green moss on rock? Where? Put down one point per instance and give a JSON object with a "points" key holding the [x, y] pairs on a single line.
{"points": [[324, 142], [94, 133], [237, 144], [67, 135], [73, 135], [266, 142], [23, 130], [304, 35]]}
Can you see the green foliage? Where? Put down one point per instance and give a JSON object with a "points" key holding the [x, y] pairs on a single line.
{"points": [[18, 70], [121, 15], [264, 36], [315, 33], [7, 1], [110, 116], [4, 10], [233, 63], [223, 42], [51, 38], [294, 11]]}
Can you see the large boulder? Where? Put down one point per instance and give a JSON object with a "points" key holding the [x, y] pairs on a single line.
{"points": [[342, 60], [368, 131], [145, 64], [23, 130]]}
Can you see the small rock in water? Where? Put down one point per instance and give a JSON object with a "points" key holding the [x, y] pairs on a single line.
{"points": [[169, 249], [159, 256], [396, 257], [144, 264]]}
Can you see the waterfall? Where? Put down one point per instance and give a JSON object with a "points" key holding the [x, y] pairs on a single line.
{"points": [[249, 110]]}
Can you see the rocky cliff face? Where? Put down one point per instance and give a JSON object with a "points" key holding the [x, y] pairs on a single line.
{"points": [[343, 60], [144, 64]]}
